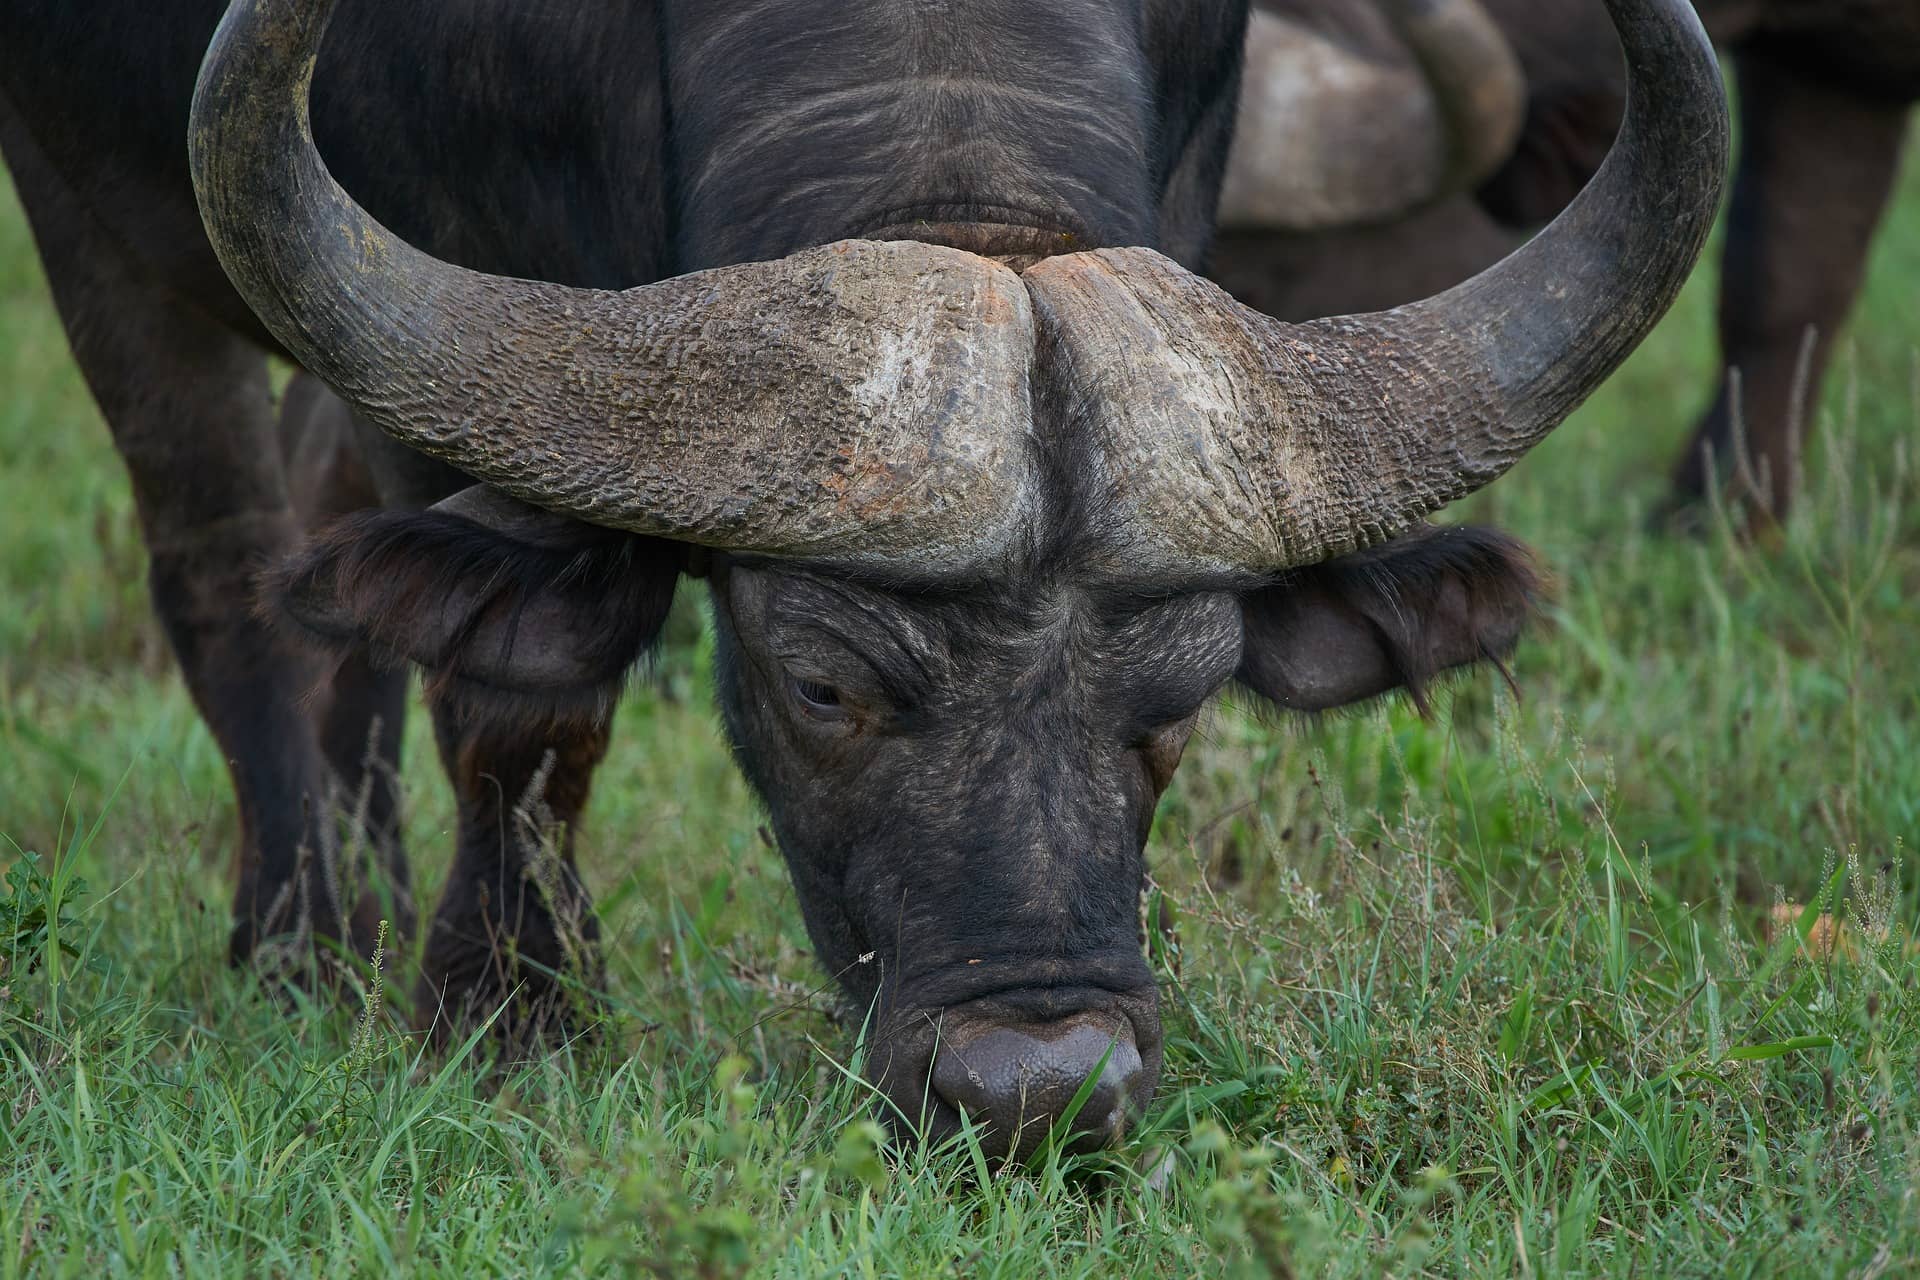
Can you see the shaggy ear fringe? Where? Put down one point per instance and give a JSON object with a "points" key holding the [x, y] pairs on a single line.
{"points": [[451, 595], [1396, 585], [1434, 602]]}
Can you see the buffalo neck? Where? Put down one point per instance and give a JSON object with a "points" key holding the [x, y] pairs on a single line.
{"points": [[995, 125]]}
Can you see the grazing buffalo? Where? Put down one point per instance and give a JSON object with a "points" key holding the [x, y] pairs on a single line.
{"points": [[880, 318], [1826, 88]]}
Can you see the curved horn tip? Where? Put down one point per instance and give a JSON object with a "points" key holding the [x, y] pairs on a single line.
{"points": [[1229, 436], [1479, 87], [845, 402]]}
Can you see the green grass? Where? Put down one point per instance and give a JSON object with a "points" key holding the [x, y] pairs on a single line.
{"points": [[1487, 995]]}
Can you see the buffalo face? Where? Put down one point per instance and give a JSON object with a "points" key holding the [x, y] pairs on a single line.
{"points": [[963, 783]]}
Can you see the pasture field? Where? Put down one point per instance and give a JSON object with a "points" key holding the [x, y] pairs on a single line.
{"points": [[1491, 994]]}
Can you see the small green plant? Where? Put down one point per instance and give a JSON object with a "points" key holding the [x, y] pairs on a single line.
{"points": [[667, 1217], [353, 1077], [35, 929], [1246, 1218]]}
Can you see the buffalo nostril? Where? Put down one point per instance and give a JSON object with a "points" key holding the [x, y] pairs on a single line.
{"points": [[1019, 1080]]}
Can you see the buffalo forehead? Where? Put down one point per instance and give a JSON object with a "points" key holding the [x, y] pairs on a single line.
{"points": [[1101, 392], [1174, 410]]}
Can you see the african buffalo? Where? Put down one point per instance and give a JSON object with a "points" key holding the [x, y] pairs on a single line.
{"points": [[907, 361], [1826, 88]]}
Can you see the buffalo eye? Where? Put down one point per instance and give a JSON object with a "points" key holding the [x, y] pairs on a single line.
{"points": [[816, 699], [1162, 747]]}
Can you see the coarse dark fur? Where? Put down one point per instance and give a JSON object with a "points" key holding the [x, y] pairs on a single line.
{"points": [[962, 782]]}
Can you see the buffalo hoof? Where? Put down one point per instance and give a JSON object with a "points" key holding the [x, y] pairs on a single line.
{"points": [[525, 1003], [1687, 513], [294, 943]]}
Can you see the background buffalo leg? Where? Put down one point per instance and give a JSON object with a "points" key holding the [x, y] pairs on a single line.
{"points": [[361, 711], [1817, 163], [192, 416]]}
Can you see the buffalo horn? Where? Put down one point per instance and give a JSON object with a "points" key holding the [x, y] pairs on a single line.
{"points": [[1232, 441], [859, 402]]}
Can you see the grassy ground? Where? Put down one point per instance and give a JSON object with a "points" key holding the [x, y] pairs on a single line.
{"points": [[1492, 994]]}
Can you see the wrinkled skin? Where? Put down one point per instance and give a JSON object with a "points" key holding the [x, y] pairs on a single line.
{"points": [[1800, 222], [962, 783]]}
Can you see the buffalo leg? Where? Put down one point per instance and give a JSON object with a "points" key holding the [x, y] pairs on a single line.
{"points": [[361, 711], [192, 416], [1817, 163], [515, 929]]}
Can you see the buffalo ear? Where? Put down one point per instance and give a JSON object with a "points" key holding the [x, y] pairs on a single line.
{"points": [[1392, 617], [500, 603]]}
